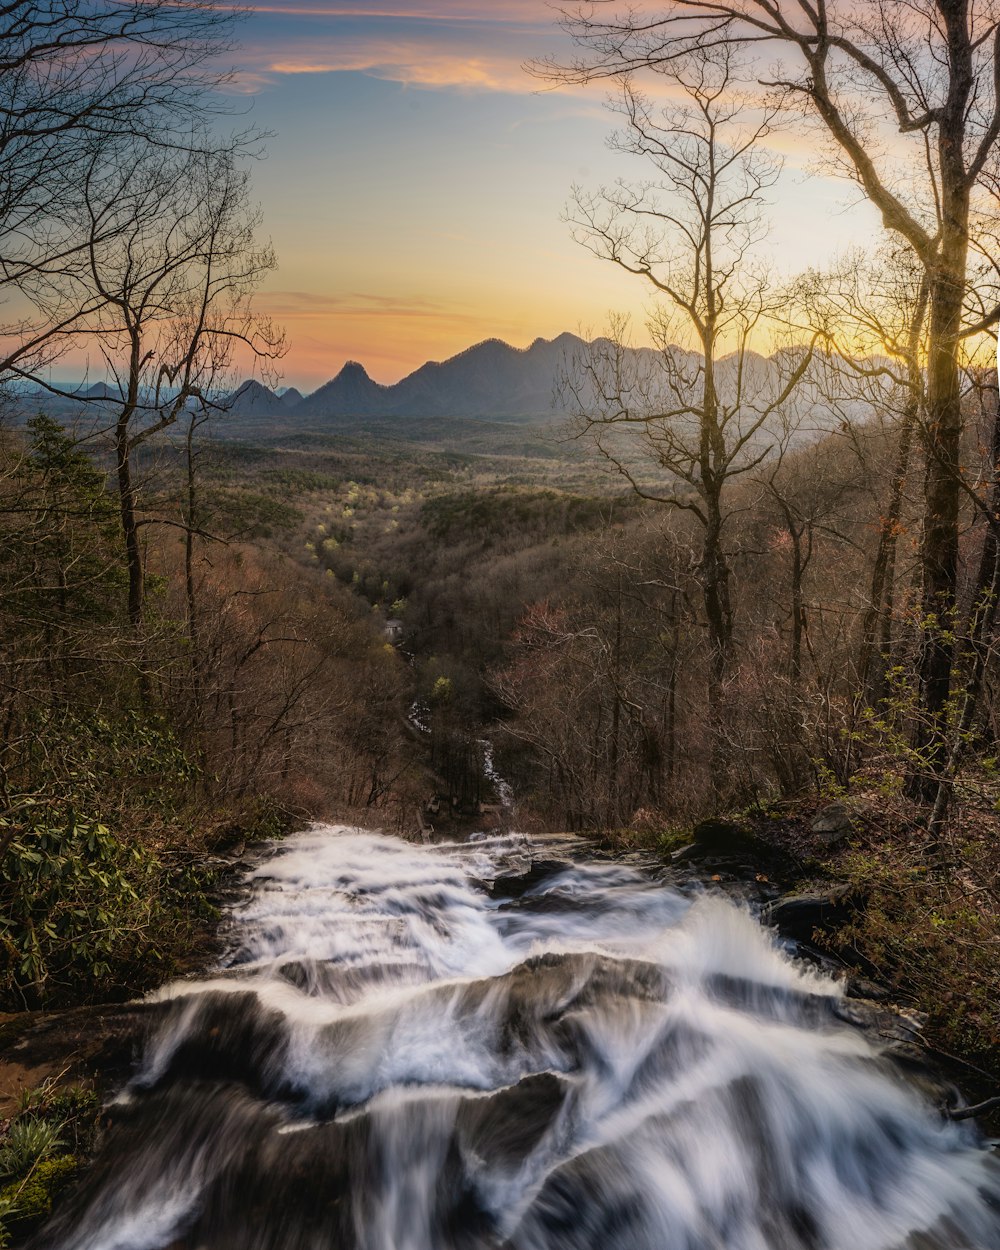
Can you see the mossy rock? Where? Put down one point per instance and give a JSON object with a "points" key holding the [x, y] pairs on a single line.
{"points": [[30, 1200], [670, 840], [723, 835]]}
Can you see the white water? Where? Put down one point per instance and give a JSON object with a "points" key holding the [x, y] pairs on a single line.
{"points": [[396, 1058]]}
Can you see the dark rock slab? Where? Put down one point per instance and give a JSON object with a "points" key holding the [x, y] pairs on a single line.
{"points": [[517, 885], [99, 1043], [798, 916]]}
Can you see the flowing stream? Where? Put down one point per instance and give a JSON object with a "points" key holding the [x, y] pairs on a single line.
{"points": [[485, 1045]]}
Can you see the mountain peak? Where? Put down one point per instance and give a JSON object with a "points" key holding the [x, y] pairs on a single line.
{"points": [[253, 398]]}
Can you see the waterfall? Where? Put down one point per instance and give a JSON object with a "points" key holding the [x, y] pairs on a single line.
{"points": [[501, 786], [478, 1045]]}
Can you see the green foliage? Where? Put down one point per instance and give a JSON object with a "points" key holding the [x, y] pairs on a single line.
{"points": [[828, 787], [71, 1109], [86, 905], [60, 558], [930, 938], [27, 1143], [248, 513], [41, 1151], [672, 839], [25, 1203], [441, 691], [80, 906], [488, 515], [76, 755], [292, 481]]}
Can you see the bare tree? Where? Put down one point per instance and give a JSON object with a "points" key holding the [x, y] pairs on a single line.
{"points": [[705, 419], [81, 82], [871, 313], [928, 67], [172, 266]]}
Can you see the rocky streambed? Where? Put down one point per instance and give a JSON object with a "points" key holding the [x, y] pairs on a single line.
{"points": [[524, 1045]]}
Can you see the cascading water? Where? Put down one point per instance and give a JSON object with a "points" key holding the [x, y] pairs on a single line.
{"points": [[434, 1047]]}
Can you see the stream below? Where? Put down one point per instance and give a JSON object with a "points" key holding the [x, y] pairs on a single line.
{"points": [[502, 1044]]}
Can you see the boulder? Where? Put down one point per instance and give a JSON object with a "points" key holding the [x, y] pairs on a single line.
{"points": [[722, 836], [798, 915], [832, 824], [518, 884]]}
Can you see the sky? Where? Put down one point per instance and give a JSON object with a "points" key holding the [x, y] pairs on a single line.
{"points": [[416, 176]]}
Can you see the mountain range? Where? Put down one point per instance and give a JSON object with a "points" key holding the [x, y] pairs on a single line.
{"points": [[490, 381]]}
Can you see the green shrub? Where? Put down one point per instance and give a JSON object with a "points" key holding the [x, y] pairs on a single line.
{"points": [[26, 1203], [79, 905], [27, 1143]]}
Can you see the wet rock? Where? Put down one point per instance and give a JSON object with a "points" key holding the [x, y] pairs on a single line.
{"points": [[518, 885], [798, 916], [861, 987], [98, 1044], [721, 846], [225, 1037], [505, 1127], [888, 1027]]}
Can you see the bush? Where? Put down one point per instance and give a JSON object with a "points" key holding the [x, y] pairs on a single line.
{"points": [[80, 905], [28, 1143], [26, 1203]]}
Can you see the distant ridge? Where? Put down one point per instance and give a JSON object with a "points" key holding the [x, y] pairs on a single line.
{"points": [[352, 393], [491, 381]]}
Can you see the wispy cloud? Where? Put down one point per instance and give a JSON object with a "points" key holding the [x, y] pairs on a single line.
{"points": [[521, 11], [353, 304], [413, 65], [458, 43]]}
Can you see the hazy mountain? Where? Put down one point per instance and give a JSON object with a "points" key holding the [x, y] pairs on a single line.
{"points": [[253, 399], [101, 390], [492, 381], [352, 393]]}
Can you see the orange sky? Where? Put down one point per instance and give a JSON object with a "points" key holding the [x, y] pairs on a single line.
{"points": [[417, 173]]}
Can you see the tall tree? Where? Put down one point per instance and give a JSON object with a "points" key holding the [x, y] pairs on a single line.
{"points": [[927, 68], [704, 419], [871, 313], [172, 267]]}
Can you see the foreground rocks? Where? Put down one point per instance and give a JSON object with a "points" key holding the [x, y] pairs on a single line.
{"points": [[95, 1046]]}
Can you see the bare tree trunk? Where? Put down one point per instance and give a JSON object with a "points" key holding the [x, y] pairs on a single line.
{"points": [[130, 531], [715, 589], [877, 624], [946, 291], [614, 814], [939, 548], [975, 649], [190, 521]]}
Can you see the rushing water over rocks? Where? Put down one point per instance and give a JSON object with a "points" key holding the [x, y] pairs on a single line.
{"points": [[427, 1048]]}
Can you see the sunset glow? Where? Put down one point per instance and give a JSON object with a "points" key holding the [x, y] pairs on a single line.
{"points": [[417, 174]]}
